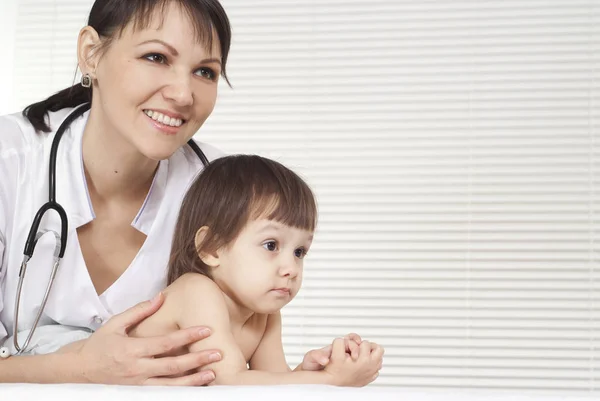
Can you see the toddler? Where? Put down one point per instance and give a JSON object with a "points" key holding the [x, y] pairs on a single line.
{"points": [[244, 229]]}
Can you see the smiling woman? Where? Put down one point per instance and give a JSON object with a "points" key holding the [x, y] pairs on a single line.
{"points": [[150, 70]]}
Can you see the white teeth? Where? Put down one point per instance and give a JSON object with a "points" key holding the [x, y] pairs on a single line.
{"points": [[163, 119]]}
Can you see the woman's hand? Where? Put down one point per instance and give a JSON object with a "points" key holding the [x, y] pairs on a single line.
{"points": [[345, 371], [110, 356]]}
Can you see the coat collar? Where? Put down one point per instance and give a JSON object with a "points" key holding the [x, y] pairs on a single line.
{"points": [[71, 185]]}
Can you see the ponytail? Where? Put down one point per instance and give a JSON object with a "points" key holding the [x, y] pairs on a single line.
{"points": [[36, 113]]}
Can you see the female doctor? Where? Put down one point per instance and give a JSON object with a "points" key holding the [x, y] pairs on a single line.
{"points": [[150, 70]]}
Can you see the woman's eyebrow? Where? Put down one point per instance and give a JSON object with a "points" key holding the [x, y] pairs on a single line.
{"points": [[211, 60], [175, 53], [172, 50]]}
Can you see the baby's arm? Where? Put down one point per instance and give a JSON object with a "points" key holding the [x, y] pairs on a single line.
{"points": [[204, 302], [201, 300], [269, 355]]}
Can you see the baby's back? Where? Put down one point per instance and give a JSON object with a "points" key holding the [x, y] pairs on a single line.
{"points": [[182, 299]]}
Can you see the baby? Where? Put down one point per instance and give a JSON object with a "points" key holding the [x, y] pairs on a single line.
{"points": [[244, 228]]}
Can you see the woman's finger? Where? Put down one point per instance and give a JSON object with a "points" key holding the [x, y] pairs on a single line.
{"points": [[134, 315], [196, 379], [177, 365], [159, 345]]}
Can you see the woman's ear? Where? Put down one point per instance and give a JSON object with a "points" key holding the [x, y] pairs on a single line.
{"points": [[208, 258], [88, 55]]}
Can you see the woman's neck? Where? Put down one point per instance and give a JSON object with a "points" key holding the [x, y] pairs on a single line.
{"points": [[114, 168]]}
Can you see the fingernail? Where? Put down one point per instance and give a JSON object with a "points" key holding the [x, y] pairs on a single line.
{"points": [[157, 297], [205, 332], [208, 376], [214, 357]]}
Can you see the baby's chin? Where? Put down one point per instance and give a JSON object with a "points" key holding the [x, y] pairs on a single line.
{"points": [[269, 309]]}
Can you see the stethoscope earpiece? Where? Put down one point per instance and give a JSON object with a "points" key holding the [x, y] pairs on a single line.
{"points": [[4, 353]]}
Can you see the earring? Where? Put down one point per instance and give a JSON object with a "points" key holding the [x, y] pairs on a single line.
{"points": [[86, 80]]}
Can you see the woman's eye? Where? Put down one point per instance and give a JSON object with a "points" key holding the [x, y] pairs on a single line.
{"points": [[270, 246], [156, 58], [206, 73], [300, 253]]}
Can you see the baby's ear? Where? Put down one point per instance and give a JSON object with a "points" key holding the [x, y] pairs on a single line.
{"points": [[208, 258]]}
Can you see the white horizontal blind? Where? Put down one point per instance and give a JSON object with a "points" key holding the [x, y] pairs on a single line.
{"points": [[46, 47], [453, 149]]}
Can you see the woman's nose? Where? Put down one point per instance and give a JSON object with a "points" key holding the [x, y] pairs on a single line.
{"points": [[179, 90]]}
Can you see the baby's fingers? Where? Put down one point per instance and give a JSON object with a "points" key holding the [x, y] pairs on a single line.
{"points": [[338, 351], [355, 337], [352, 348], [377, 352], [364, 350]]}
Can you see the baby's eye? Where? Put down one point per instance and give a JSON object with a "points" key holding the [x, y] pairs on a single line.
{"points": [[300, 253], [156, 58], [270, 246], [206, 73]]}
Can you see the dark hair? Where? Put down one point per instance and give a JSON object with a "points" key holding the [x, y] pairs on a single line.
{"points": [[110, 17], [229, 193]]}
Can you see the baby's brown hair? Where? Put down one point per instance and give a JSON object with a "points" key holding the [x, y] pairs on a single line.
{"points": [[226, 195]]}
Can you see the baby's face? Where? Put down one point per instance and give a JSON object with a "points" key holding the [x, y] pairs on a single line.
{"points": [[262, 269]]}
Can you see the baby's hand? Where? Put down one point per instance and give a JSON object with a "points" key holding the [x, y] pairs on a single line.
{"points": [[317, 359], [346, 371], [352, 342]]}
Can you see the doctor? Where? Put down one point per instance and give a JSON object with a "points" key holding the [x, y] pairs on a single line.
{"points": [[150, 70]]}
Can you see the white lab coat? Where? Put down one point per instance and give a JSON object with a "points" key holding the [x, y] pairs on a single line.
{"points": [[24, 165]]}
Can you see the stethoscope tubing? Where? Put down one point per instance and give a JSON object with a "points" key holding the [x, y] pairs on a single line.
{"points": [[61, 239]]}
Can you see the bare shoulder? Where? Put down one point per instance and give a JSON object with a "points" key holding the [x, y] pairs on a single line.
{"points": [[194, 296], [193, 284]]}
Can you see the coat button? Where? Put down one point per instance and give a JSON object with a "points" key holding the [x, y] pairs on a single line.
{"points": [[98, 320]]}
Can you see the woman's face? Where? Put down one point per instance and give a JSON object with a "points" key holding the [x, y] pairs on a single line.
{"points": [[155, 87]]}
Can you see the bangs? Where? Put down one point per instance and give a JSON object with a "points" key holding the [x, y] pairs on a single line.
{"points": [[145, 15], [299, 211]]}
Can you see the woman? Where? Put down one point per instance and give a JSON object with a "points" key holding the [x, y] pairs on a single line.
{"points": [[150, 70]]}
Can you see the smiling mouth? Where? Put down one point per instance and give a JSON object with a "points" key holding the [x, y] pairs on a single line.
{"points": [[283, 291], [164, 119]]}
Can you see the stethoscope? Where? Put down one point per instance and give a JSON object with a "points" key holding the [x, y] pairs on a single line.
{"points": [[61, 239]]}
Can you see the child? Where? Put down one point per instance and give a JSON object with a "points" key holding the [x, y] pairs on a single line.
{"points": [[244, 228]]}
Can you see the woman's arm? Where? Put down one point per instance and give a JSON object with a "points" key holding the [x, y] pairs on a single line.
{"points": [[51, 368], [109, 356]]}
